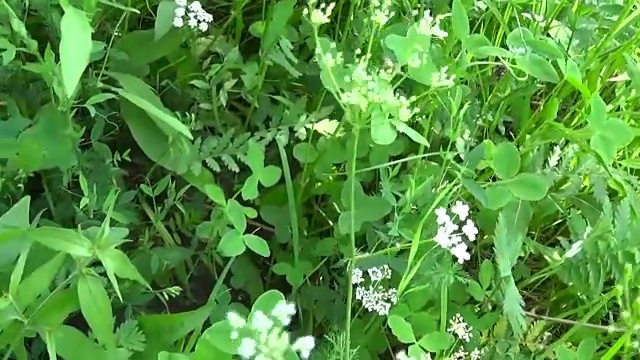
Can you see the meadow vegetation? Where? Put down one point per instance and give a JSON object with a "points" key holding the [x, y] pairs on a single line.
{"points": [[350, 179]]}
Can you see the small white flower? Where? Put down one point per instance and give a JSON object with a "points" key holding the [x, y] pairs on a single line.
{"points": [[441, 216], [180, 12], [461, 209], [261, 322], [181, 3], [178, 22], [460, 251], [356, 276], [386, 271], [375, 274], [283, 312], [236, 321], [475, 354], [192, 22], [304, 345], [459, 355], [247, 348], [195, 6], [459, 328], [203, 26], [470, 230]]}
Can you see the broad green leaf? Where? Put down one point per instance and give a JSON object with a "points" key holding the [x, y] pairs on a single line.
{"points": [[231, 244], [218, 335], [266, 303], [18, 215], [498, 195], [250, 187], [257, 244], [68, 241], [460, 20], [72, 344], [506, 160], [142, 48], [305, 153], [118, 262], [95, 306], [270, 175], [598, 113], [563, 353], [476, 190], [235, 214], [480, 47], [411, 133], [38, 282], [58, 307], [215, 193], [255, 157], [156, 113], [538, 67], [164, 18], [163, 355], [402, 47], [276, 24], [382, 130], [587, 349], [75, 47], [475, 290], [175, 154], [401, 329], [163, 330], [435, 341], [528, 186]]}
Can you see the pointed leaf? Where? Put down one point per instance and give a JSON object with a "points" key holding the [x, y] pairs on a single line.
{"points": [[75, 47], [95, 306], [538, 67], [65, 240], [257, 244]]}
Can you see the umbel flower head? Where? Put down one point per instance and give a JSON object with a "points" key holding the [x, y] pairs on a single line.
{"points": [[264, 337]]}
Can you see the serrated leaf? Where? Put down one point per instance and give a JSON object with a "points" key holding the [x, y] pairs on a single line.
{"points": [[95, 307], [513, 307], [75, 47], [538, 67]]}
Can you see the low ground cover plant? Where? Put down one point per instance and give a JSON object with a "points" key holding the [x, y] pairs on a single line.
{"points": [[271, 180]]}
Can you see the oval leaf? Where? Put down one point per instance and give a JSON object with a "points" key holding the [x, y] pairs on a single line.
{"points": [[75, 47], [527, 186], [401, 329], [538, 67], [506, 160], [257, 244], [435, 341]]}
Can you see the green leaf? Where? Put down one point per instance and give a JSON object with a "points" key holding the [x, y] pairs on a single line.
{"points": [[68, 241], [587, 349], [75, 47], [277, 23], [95, 306], [266, 303], [118, 262], [435, 341], [235, 214], [218, 335], [498, 196], [480, 47], [257, 244], [255, 157], [270, 175], [474, 289], [506, 160], [486, 273], [476, 190], [401, 329], [460, 20], [597, 118], [18, 215], [38, 282], [382, 130], [232, 244], [142, 49], [528, 186], [538, 67], [215, 193], [140, 94], [412, 134], [173, 154], [305, 153], [72, 344], [164, 19]]}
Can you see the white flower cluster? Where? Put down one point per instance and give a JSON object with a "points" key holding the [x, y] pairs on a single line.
{"points": [[381, 11], [448, 236], [374, 297], [461, 330], [266, 337], [318, 15], [196, 17], [372, 92], [402, 355], [429, 26]]}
